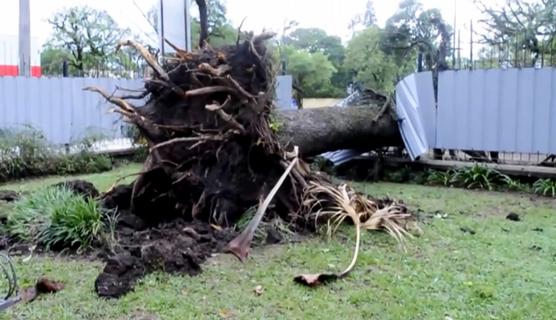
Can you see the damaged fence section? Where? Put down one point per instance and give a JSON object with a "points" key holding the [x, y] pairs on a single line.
{"points": [[497, 110]]}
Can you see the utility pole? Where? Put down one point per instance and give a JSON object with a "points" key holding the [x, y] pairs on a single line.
{"points": [[24, 38]]}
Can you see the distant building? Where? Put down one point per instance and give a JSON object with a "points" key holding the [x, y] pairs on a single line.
{"points": [[9, 56]]}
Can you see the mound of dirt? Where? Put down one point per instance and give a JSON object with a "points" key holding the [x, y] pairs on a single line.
{"points": [[80, 187], [9, 196], [174, 247]]}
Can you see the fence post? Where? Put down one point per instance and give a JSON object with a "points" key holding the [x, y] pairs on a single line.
{"points": [[65, 68], [471, 45]]}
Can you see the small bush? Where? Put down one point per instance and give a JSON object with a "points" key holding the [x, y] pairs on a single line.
{"points": [[439, 178], [478, 177], [545, 187], [398, 175], [56, 217], [514, 184]]}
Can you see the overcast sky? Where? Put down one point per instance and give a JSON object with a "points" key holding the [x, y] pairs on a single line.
{"points": [[330, 15]]}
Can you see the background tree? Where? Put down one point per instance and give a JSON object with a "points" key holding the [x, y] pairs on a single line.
{"points": [[220, 30], [52, 60], [412, 31], [520, 29], [315, 40], [370, 66], [87, 36], [311, 72], [367, 19]]}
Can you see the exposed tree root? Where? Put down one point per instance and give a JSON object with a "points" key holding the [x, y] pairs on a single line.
{"points": [[213, 155]]}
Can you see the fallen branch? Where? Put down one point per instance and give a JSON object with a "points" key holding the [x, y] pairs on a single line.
{"points": [[120, 102], [151, 61], [240, 245], [363, 212]]}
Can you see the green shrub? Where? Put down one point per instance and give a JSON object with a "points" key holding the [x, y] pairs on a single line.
{"points": [[439, 178], [26, 153], [56, 217], [514, 184], [398, 175], [545, 187], [23, 153], [478, 177]]}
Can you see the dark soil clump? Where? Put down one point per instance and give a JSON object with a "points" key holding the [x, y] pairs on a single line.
{"points": [[174, 247], [9, 196], [513, 217], [118, 198], [79, 187]]}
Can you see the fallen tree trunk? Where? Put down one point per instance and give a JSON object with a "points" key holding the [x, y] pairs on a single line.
{"points": [[320, 130]]}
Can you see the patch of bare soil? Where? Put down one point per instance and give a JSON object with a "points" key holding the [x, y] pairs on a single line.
{"points": [[177, 246]]}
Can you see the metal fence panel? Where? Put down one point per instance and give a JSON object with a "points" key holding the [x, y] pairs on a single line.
{"points": [[510, 110], [59, 107], [416, 110], [64, 113]]}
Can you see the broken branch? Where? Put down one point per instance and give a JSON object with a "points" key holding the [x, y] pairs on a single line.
{"points": [[241, 244]]}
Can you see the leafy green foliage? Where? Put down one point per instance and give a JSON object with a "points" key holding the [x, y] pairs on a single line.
{"points": [[275, 124], [545, 187], [26, 153], [315, 40], [87, 39], [312, 72], [56, 217], [527, 25], [412, 29], [220, 30], [439, 178], [372, 68], [478, 177]]}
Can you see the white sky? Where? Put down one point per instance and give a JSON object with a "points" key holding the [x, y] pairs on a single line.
{"points": [[330, 15]]}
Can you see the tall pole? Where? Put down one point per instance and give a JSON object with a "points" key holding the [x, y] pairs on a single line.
{"points": [[24, 38], [187, 20], [459, 49], [454, 37], [471, 45]]}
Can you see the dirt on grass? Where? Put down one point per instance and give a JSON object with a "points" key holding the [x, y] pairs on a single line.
{"points": [[177, 246]]}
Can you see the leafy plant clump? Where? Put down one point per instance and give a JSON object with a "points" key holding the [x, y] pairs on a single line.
{"points": [[56, 217], [478, 177], [545, 187], [439, 178]]}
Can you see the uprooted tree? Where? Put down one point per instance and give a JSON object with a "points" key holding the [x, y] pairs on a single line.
{"points": [[217, 148]]}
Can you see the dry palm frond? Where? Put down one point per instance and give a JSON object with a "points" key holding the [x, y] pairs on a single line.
{"points": [[335, 204]]}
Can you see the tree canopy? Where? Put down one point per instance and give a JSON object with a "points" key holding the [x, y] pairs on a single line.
{"points": [[370, 65], [314, 44], [86, 38], [312, 72], [413, 30], [520, 28]]}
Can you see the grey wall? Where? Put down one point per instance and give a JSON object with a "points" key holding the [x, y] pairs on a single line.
{"points": [[65, 113], [511, 110], [59, 107]]}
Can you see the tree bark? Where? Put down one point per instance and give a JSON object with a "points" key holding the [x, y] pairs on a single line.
{"points": [[319, 130]]}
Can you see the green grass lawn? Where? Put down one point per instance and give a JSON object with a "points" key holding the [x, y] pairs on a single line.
{"points": [[102, 181], [495, 269]]}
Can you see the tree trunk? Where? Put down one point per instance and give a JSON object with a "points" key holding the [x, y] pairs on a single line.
{"points": [[320, 130]]}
